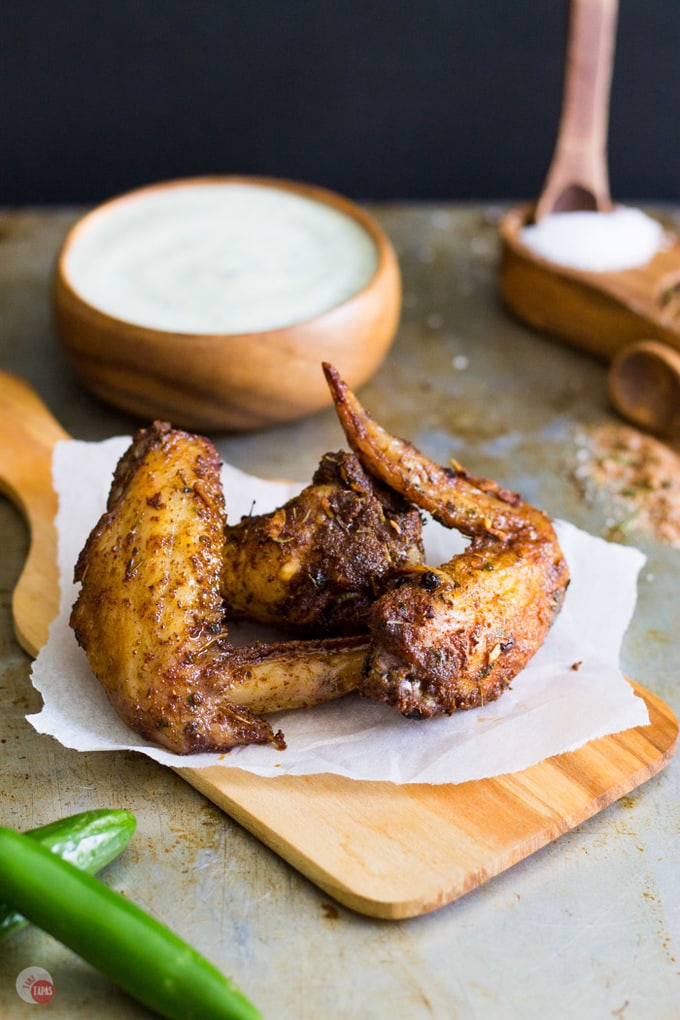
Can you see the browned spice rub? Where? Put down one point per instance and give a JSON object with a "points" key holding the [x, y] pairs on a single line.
{"points": [[317, 564], [150, 613], [161, 572], [454, 636]]}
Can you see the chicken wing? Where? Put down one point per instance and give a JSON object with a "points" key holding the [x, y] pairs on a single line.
{"points": [[316, 565], [454, 636], [150, 613]]}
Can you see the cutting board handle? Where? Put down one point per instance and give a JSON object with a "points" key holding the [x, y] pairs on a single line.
{"points": [[30, 433]]}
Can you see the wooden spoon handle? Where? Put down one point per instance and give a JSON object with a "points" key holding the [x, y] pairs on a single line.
{"points": [[28, 434], [578, 177]]}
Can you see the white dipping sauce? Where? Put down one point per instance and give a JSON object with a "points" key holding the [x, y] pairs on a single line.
{"points": [[219, 258], [595, 241]]}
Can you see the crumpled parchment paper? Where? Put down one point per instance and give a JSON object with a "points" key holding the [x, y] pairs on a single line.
{"points": [[571, 692]]}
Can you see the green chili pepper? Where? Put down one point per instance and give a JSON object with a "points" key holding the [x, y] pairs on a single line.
{"points": [[90, 840], [138, 953]]}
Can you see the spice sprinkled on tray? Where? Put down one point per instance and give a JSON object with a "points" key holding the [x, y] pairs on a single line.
{"points": [[634, 478]]}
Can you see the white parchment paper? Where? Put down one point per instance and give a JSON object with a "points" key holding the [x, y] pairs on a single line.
{"points": [[571, 692]]}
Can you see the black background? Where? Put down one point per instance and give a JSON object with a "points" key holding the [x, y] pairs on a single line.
{"points": [[378, 99]]}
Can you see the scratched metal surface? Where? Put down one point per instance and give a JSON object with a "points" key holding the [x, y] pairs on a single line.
{"points": [[589, 926]]}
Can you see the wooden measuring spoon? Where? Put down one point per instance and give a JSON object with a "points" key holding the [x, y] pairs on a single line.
{"points": [[644, 386], [578, 177], [599, 312]]}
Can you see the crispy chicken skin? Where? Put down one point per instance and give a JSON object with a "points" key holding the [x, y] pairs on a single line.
{"points": [[454, 636], [150, 613], [316, 565], [161, 572]]}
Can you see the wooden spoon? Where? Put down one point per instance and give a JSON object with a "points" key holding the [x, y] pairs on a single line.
{"points": [[644, 386], [603, 313], [598, 312], [578, 177]]}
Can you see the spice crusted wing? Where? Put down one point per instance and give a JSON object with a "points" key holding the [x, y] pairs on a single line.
{"points": [[317, 564], [150, 612], [454, 636]]}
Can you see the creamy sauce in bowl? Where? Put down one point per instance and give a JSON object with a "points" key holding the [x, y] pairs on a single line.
{"points": [[219, 257]]}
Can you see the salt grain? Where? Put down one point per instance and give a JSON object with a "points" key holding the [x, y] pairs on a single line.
{"points": [[440, 219], [425, 255], [595, 241], [480, 245]]}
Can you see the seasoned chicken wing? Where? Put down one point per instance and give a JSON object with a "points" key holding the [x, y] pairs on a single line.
{"points": [[454, 636], [317, 564], [161, 572], [150, 611]]}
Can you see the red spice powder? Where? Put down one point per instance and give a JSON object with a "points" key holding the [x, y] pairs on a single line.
{"points": [[634, 479]]}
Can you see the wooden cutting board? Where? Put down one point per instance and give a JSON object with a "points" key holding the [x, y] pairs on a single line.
{"points": [[384, 850]]}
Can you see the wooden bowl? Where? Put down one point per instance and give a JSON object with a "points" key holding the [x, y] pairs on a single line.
{"points": [[217, 379]]}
